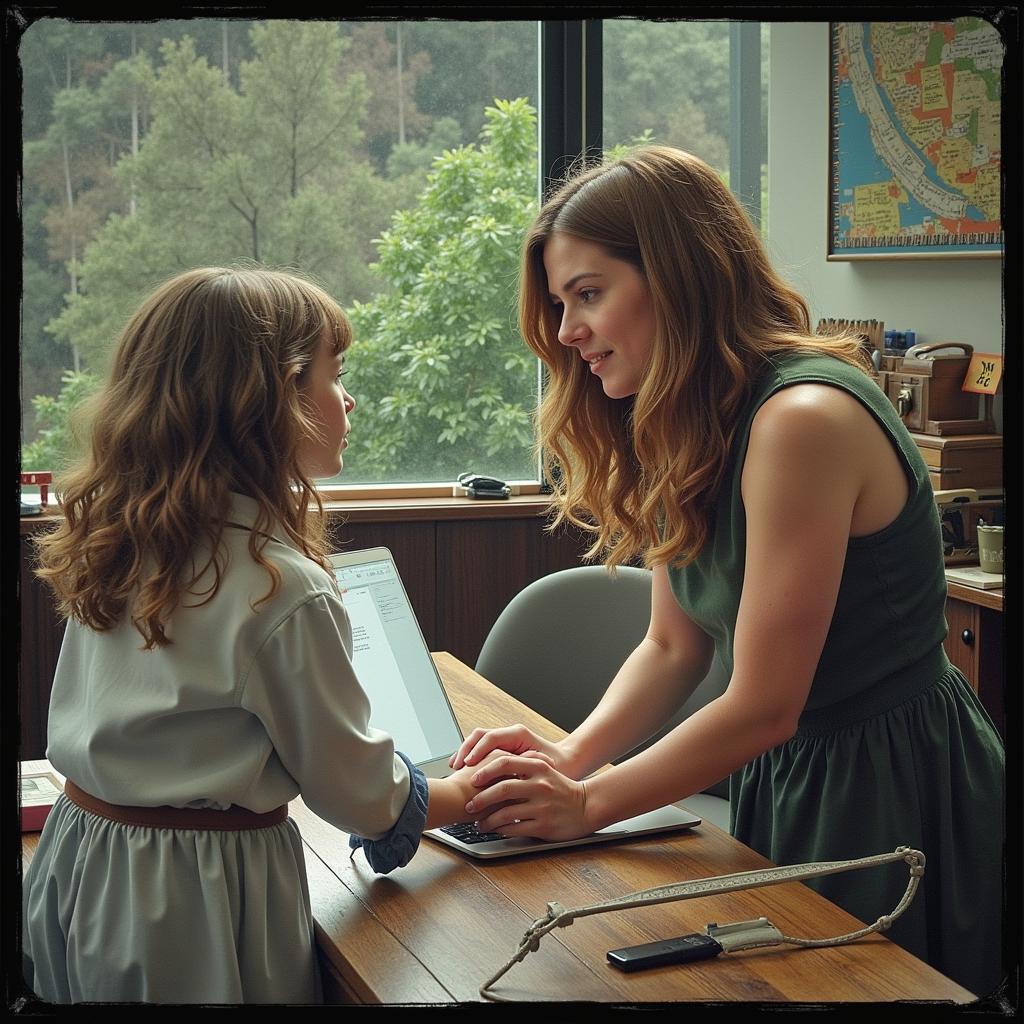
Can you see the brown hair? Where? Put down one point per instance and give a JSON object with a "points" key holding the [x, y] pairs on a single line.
{"points": [[640, 474], [203, 398]]}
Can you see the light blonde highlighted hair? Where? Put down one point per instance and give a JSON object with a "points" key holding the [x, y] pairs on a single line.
{"points": [[641, 474], [204, 397]]}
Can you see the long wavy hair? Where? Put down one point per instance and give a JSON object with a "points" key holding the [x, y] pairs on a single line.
{"points": [[204, 397], [640, 474]]}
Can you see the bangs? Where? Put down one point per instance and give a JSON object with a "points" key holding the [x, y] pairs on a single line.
{"points": [[339, 330], [327, 317]]}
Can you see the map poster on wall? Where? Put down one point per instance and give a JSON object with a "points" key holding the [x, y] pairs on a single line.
{"points": [[914, 144]]}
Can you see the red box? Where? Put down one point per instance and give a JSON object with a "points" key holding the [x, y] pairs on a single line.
{"points": [[39, 792], [42, 480]]}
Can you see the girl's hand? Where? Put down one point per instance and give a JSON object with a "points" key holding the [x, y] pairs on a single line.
{"points": [[514, 739], [527, 796], [449, 796]]}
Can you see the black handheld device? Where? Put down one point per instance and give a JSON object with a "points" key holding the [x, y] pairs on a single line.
{"points": [[680, 950], [484, 486]]}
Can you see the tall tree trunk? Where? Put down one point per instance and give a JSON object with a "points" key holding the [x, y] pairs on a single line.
{"points": [[70, 194], [295, 160], [255, 236], [135, 129], [225, 64], [401, 88]]}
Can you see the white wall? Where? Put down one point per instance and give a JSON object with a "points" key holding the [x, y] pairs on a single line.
{"points": [[943, 300]]}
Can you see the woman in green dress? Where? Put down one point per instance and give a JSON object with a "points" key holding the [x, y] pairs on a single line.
{"points": [[693, 421]]}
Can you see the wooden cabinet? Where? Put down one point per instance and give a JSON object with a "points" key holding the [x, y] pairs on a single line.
{"points": [[974, 645]]}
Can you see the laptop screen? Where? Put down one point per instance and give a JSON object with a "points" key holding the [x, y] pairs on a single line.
{"points": [[391, 659]]}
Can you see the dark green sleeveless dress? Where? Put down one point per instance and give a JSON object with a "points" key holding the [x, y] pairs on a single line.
{"points": [[893, 747]]}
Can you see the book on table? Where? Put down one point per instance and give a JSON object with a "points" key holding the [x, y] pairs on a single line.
{"points": [[974, 576]]}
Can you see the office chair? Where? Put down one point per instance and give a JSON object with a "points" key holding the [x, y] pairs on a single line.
{"points": [[560, 641]]}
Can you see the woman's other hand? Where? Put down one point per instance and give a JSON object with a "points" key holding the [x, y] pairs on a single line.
{"points": [[513, 739]]}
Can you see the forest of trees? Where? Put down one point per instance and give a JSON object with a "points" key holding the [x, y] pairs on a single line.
{"points": [[393, 162]]}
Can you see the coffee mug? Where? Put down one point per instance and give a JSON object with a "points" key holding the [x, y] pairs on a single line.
{"points": [[990, 548]]}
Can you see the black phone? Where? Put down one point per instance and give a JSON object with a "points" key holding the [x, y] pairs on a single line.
{"points": [[680, 950], [484, 486], [488, 483]]}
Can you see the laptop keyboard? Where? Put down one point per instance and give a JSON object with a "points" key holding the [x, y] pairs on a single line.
{"points": [[468, 833]]}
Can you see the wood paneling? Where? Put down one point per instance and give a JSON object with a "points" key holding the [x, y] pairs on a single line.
{"points": [[482, 566]]}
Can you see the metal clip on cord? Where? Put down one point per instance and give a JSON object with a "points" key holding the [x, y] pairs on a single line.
{"points": [[745, 935]]}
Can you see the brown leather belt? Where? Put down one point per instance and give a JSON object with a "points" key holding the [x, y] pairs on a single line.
{"points": [[234, 819]]}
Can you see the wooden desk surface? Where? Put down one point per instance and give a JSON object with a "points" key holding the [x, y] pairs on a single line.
{"points": [[435, 930], [438, 928]]}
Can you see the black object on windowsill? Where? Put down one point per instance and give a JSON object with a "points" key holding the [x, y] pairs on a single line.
{"points": [[486, 487]]}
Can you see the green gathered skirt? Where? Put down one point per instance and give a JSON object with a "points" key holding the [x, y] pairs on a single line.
{"points": [[904, 764]]}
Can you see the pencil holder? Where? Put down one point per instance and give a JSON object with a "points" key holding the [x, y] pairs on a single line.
{"points": [[990, 548]]}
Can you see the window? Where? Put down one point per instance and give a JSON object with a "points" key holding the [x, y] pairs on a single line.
{"points": [[397, 162]]}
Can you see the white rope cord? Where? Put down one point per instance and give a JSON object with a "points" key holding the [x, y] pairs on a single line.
{"points": [[763, 934]]}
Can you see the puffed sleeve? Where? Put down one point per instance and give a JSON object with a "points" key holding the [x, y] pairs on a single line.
{"points": [[302, 687], [395, 848]]}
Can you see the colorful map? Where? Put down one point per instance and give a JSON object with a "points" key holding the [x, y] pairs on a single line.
{"points": [[916, 155]]}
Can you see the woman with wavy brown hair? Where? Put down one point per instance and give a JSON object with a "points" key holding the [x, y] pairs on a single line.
{"points": [[205, 677], [691, 420]]}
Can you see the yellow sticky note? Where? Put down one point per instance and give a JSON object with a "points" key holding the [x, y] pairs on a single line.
{"points": [[983, 375]]}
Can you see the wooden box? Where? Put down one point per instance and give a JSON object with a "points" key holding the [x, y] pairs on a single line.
{"points": [[933, 406], [967, 460], [927, 392]]}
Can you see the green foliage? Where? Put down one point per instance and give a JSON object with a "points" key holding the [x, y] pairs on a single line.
{"points": [[443, 380], [58, 444], [41, 365], [415, 158], [212, 190], [472, 62], [671, 78]]}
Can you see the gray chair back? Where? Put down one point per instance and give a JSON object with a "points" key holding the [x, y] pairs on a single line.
{"points": [[560, 641]]}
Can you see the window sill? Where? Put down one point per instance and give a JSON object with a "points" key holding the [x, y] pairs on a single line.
{"points": [[421, 509], [388, 510]]}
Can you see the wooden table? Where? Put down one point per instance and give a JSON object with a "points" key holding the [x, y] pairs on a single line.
{"points": [[434, 931], [437, 929]]}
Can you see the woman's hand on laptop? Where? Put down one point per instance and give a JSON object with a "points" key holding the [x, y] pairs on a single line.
{"points": [[526, 795]]}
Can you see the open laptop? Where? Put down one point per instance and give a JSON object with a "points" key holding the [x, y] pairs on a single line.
{"points": [[407, 700]]}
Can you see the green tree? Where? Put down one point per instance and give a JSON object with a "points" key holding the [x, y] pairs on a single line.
{"points": [[267, 172], [672, 79], [443, 380], [59, 442], [42, 362], [471, 64], [380, 50], [72, 170]]}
